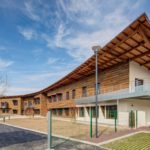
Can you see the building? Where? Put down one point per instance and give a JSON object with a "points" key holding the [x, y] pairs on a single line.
{"points": [[124, 82]]}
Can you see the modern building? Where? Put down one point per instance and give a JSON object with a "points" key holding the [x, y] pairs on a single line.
{"points": [[123, 82]]}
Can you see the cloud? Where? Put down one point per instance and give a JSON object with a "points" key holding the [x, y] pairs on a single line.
{"points": [[13, 90], [83, 11], [5, 63], [52, 60], [28, 33], [30, 11]]}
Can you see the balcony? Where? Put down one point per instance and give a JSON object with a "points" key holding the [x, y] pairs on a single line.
{"points": [[142, 91], [4, 105]]}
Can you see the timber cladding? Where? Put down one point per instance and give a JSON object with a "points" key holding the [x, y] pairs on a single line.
{"points": [[112, 79], [11, 105]]}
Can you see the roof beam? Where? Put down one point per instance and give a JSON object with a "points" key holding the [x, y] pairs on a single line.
{"points": [[147, 62], [141, 55], [143, 34], [122, 41]]}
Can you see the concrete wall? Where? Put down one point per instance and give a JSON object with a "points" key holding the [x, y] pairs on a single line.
{"points": [[143, 107], [137, 71]]}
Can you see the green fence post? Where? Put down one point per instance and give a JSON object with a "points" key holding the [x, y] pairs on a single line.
{"points": [[136, 119], [115, 121], [91, 124]]}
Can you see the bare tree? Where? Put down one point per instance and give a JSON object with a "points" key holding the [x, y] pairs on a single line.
{"points": [[3, 84]]}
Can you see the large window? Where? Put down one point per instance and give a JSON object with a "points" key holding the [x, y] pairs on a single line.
{"points": [[111, 111], [73, 94], [15, 102], [93, 109], [84, 91], [67, 95], [81, 112]]}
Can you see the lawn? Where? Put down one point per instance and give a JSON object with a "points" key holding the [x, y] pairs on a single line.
{"points": [[140, 141]]}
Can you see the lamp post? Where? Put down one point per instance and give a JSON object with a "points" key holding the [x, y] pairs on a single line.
{"points": [[96, 49]]}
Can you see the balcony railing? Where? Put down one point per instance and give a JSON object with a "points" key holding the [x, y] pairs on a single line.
{"points": [[29, 106], [131, 92]]}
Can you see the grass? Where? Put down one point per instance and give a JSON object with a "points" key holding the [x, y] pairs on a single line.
{"points": [[140, 141]]}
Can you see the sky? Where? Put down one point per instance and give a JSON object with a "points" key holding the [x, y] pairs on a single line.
{"points": [[43, 40]]}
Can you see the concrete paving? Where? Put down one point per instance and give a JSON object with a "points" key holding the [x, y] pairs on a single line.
{"points": [[12, 138]]}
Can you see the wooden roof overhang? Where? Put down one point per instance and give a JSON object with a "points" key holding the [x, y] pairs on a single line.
{"points": [[133, 43]]}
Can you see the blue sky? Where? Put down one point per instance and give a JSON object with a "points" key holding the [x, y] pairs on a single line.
{"points": [[43, 40]]}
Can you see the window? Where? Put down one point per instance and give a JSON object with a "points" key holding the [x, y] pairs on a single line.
{"points": [[94, 111], [15, 111], [67, 95], [81, 112], [30, 104], [5, 110], [37, 101], [66, 111], [50, 99], [37, 111], [73, 94], [54, 111], [111, 111], [54, 98], [15, 102], [84, 91], [98, 86], [60, 112], [59, 97], [4, 104], [138, 82]]}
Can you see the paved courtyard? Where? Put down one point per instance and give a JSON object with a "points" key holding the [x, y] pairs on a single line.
{"points": [[12, 138], [65, 128]]}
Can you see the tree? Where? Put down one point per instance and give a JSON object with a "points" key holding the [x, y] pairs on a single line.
{"points": [[3, 84]]}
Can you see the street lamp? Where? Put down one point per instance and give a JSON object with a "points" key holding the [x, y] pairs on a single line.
{"points": [[96, 49]]}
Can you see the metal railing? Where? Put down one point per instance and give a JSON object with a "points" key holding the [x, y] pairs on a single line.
{"points": [[126, 93]]}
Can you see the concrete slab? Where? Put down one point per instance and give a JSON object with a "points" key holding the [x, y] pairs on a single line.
{"points": [[12, 138]]}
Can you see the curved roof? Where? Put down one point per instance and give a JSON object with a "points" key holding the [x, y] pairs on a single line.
{"points": [[133, 43]]}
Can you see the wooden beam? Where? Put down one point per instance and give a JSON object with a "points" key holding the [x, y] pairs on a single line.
{"points": [[147, 62], [143, 34], [141, 55], [123, 40]]}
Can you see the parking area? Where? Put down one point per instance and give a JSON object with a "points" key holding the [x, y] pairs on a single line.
{"points": [[12, 138]]}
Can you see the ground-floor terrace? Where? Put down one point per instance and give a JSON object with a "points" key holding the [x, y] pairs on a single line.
{"points": [[124, 111]]}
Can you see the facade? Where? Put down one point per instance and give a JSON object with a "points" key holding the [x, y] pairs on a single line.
{"points": [[123, 82]]}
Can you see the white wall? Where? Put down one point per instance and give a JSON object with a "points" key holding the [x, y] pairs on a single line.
{"points": [[137, 71], [143, 107]]}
